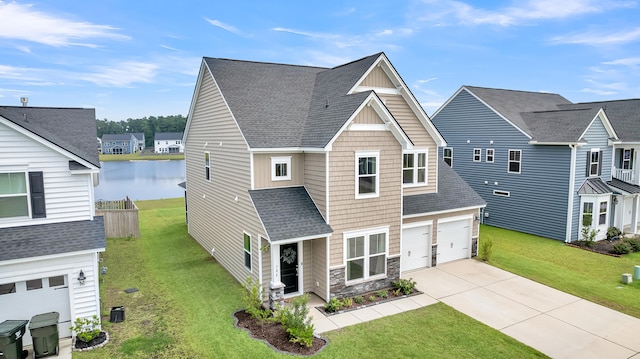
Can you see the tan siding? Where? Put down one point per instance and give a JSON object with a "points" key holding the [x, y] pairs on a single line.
{"points": [[348, 213], [368, 116], [435, 218], [216, 219], [418, 135], [266, 267], [262, 170], [319, 268], [378, 78], [307, 265], [315, 179]]}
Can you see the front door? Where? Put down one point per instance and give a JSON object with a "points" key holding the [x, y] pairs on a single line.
{"points": [[289, 267]]}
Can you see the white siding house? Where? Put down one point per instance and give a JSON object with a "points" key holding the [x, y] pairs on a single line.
{"points": [[168, 142]]}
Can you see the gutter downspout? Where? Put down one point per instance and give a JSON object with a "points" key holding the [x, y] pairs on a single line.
{"points": [[572, 186]]}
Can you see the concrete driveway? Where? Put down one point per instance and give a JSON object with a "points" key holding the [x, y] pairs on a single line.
{"points": [[553, 322]]}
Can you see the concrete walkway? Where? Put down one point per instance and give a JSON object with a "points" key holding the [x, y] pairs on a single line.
{"points": [[557, 324]]}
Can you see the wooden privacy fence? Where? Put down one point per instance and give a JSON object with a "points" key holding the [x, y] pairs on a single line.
{"points": [[120, 218]]}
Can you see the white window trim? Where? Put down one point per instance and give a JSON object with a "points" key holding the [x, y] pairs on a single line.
{"points": [[244, 251], [493, 155], [509, 161], [365, 233], [278, 160], [500, 193], [207, 166], [591, 151], [415, 182], [477, 152], [360, 154], [26, 194], [595, 215], [449, 157]]}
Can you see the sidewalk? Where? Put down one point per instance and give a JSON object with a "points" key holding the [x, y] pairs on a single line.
{"points": [[558, 324]]}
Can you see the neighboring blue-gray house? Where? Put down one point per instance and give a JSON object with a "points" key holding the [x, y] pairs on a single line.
{"points": [[544, 165], [139, 136], [119, 143]]}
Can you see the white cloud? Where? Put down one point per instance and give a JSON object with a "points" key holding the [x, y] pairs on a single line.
{"points": [[223, 26], [23, 22], [629, 61], [427, 80], [599, 38], [124, 74], [169, 47], [598, 91]]}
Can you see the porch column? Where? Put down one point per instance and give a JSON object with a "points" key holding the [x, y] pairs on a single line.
{"points": [[276, 287]]}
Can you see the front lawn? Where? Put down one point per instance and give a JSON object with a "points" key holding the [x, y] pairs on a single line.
{"points": [[592, 276], [185, 300]]}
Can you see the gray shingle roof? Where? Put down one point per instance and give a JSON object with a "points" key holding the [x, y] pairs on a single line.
{"points": [[511, 103], [279, 105], [165, 136], [594, 186], [453, 193], [624, 186], [288, 213], [117, 137], [624, 116], [138, 135], [54, 238], [560, 125], [73, 129]]}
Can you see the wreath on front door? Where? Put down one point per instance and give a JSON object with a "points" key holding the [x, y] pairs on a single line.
{"points": [[288, 255]]}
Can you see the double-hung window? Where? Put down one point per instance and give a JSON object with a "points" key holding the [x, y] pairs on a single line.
{"points": [[626, 159], [414, 167], [367, 174], [489, 155], [366, 254], [587, 214], [280, 168], [602, 217], [477, 154], [594, 162], [247, 251], [447, 156], [515, 159], [14, 197]]}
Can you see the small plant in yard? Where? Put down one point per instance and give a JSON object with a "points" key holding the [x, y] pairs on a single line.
{"points": [[634, 243], [359, 299], [621, 248], [486, 249], [372, 298], [382, 294], [405, 285], [588, 234], [613, 233], [252, 299], [296, 321], [333, 305], [86, 329], [347, 302]]}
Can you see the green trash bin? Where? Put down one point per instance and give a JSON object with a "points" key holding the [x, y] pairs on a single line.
{"points": [[44, 333], [11, 332]]}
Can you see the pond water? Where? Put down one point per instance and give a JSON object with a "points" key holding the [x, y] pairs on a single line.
{"points": [[140, 180]]}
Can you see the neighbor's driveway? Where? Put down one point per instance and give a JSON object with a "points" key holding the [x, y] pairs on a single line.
{"points": [[553, 322]]}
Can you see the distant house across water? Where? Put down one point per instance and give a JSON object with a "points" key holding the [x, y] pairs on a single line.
{"points": [[168, 142], [119, 143]]}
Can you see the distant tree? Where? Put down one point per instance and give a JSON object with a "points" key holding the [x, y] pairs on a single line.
{"points": [[147, 125]]}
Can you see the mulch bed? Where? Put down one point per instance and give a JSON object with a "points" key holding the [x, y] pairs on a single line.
{"points": [[603, 247], [275, 334], [96, 342], [370, 299]]}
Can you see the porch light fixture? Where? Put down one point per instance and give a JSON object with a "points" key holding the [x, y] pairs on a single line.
{"points": [[81, 277]]}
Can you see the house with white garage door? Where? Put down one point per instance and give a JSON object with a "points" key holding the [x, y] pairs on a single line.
{"points": [[50, 240], [322, 180]]}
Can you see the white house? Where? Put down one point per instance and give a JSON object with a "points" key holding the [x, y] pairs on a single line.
{"points": [[168, 142], [50, 241]]}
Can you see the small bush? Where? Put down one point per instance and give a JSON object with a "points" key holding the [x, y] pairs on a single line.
{"points": [[252, 299], [405, 285], [358, 300], [613, 233], [347, 302], [296, 321], [301, 335], [486, 249], [634, 243], [372, 298], [382, 294], [86, 329], [621, 248], [333, 305]]}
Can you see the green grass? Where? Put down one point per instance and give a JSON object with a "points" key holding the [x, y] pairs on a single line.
{"points": [[141, 157], [184, 307], [592, 276]]}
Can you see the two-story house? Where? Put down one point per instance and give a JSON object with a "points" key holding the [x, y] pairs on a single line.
{"points": [[119, 143], [543, 164], [322, 180], [49, 238], [139, 136], [168, 142]]}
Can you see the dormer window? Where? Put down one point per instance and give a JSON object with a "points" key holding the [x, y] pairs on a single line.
{"points": [[281, 168]]}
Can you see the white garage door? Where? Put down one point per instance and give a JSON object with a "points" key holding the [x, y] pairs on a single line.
{"points": [[454, 240], [415, 247], [23, 300]]}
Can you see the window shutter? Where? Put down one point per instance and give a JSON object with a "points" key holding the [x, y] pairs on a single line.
{"points": [[588, 163], [631, 159], [600, 163], [620, 157], [36, 186]]}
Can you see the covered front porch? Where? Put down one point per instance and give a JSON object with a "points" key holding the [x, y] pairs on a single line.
{"points": [[626, 202]]}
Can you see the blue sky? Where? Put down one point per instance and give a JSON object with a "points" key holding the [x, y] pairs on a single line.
{"points": [[130, 59]]}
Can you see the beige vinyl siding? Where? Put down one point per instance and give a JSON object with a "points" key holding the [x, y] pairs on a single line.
{"points": [[220, 210], [418, 135], [368, 117], [377, 78], [262, 170], [349, 213], [435, 218], [319, 250], [68, 196], [307, 266], [315, 179], [266, 267]]}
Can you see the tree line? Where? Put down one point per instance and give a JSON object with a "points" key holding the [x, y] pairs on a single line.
{"points": [[147, 125]]}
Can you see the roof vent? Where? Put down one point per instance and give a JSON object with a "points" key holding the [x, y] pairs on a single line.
{"points": [[24, 100]]}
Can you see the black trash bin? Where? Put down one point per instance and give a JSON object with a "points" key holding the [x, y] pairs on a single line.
{"points": [[44, 333], [11, 332], [117, 314]]}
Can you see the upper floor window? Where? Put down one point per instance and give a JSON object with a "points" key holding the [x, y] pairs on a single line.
{"points": [[594, 161], [447, 156], [626, 159], [207, 166], [515, 159], [477, 154], [414, 167], [14, 199], [367, 169], [247, 251], [366, 254], [489, 155], [280, 168]]}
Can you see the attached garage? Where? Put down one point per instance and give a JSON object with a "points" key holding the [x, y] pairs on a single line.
{"points": [[454, 239], [416, 246]]}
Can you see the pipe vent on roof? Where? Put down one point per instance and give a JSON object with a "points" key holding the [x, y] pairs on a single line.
{"points": [[24, 100]]}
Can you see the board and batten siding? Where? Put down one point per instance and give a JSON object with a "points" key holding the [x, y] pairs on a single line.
{"points": [[421, 139], [68, 197], [539, 195], [350, 214], [596, 136], [262, 170], [220, 210], [315, 179]]}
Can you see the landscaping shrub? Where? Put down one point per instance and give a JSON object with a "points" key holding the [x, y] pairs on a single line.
{"points": [[613, 233], [296, 321], [86, 329], [333, 305], [382, 294], [621, 248], [634, 243], [252, 300], [347, 302], [405, 285], [359, 299], [486, 249]]}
